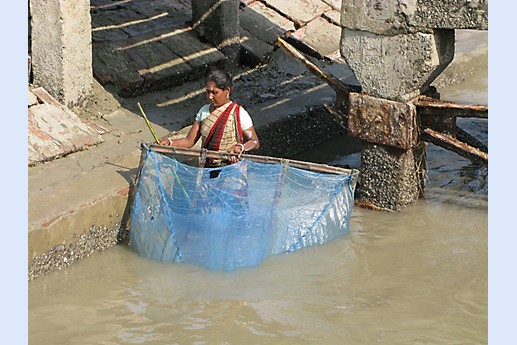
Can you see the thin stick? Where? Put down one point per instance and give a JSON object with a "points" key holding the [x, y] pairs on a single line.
{"points": [[149, 124]]}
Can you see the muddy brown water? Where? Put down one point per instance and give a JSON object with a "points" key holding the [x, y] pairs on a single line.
{"points": [[419, 276]]}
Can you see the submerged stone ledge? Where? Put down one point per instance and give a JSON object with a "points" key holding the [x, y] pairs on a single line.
{"points": [[97, 239]]}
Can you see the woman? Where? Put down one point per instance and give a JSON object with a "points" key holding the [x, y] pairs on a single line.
{"points": [[223, 125]]}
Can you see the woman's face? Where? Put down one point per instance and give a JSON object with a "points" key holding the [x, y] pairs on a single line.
{"points": [[215, 95]]}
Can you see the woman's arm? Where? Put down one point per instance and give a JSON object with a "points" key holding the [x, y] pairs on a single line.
{"points": [[251, 141], [187, 142]]}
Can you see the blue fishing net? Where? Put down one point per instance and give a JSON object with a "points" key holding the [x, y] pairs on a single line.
{"points": [[234, 216]]}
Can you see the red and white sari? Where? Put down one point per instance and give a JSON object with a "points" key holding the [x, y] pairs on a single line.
{"points": [[221, 130]]}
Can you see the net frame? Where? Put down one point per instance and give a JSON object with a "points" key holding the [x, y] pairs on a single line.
{"points": [[232, 236]]}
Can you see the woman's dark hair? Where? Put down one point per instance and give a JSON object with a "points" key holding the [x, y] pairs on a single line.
{"points": [[221, 79]]}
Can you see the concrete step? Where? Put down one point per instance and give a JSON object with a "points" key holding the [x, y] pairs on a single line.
{"points": [[142, 46]]}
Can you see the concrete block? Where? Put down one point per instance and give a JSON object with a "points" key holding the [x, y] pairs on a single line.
{"points": [[335, 4], [299, 11], [389, 177], [397, 67], [264, 22], [54, 133], [254, 51], [387, 17], [334, 16], [216, 21], [57, 35], [111, 64], [320, 35], [392, 17], [33, 100], [455, 14], [103, 28], [198, 55], [247, 2]]}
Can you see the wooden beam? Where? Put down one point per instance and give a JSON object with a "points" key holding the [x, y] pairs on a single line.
{"points": [[337, 116], [465, 137], [333, 82], [428, 106], [453, 144]]}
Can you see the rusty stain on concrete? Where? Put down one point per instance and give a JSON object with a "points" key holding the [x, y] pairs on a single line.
{"points": [[381, 121]]}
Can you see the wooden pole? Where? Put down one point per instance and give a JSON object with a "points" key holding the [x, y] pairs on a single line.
{"points": [[433, 107], [455, 145], [329, 169], [333, 82], [340, 119], [465, 137]]}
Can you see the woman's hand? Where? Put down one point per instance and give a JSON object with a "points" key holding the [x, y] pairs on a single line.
{"points": [[166, 142], [237, 149]]}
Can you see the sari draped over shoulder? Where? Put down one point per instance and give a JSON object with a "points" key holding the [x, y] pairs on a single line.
{"points": [[221, 130]]}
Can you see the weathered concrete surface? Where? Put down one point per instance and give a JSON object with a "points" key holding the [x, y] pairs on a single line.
{"points": [[397, 49], [140, 47], [321, 35], [299, 11], [61, 49], [393, 17], [397, 67], [266, 23], [69, 195], [54, 130], [218, 22], [458, 14]]}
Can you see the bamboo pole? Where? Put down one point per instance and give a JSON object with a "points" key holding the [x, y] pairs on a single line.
{"points": [[329, 169], [131, 196], [149, 124]]}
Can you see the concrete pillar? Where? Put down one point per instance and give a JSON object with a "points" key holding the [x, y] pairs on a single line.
{"points": [[62, 49], [218, 22], [396, 50], [397, 67]]}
